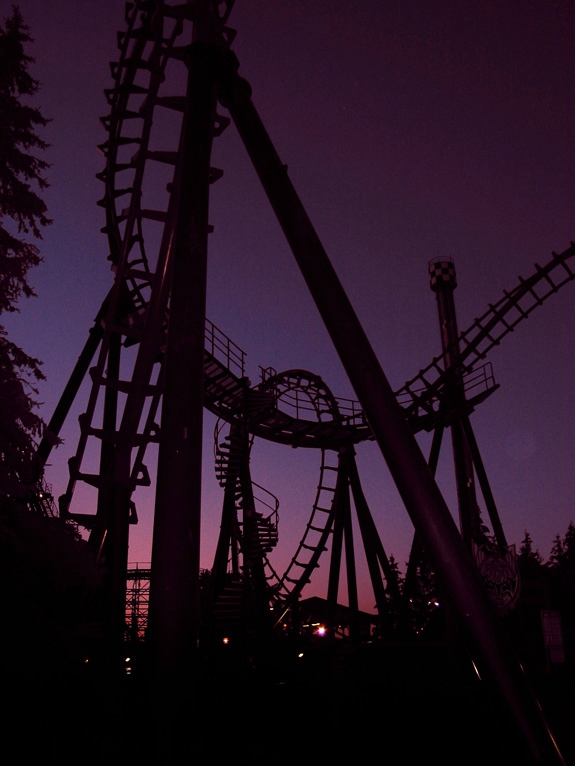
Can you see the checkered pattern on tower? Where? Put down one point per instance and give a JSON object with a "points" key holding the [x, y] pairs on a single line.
{"points": [[442, 274]]}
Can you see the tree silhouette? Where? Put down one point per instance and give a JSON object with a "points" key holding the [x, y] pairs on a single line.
{"points": [[22, 213], [48, 579], [529, 556], [394, 594], [557, 553], [561, 566], [49, 590], [424, 602], [569, 546]]}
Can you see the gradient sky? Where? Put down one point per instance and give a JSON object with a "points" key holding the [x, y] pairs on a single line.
{"points": [[411, 130]]}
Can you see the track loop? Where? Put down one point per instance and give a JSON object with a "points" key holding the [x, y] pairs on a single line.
{"points": [[305, 397], [302, 395]]}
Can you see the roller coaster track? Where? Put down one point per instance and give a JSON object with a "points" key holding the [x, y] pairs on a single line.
{"points": [[420, 396], [144, 191], [306, 413], [140, 182], [141, 191], [296, 408]]}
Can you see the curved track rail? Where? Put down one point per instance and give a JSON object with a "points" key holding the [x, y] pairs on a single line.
{"points": [[421, 395], [310, 401]]}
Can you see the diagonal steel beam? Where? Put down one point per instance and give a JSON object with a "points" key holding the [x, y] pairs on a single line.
{"points": [[413, 478]]}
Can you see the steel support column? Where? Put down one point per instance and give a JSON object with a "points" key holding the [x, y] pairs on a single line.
{"points": [[50, 438], [484, 483], [174, 590], [443, 283], [174, 616], [416, 552], [387, 597], [340, 509]]}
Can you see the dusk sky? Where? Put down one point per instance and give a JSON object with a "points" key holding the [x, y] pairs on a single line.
{"points": [[411, 130]]}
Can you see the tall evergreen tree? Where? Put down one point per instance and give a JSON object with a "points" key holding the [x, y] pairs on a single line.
{"points": [[23, 214], [48, 577], [569, 546], [529, 556], [557, 554], [394, 593]]}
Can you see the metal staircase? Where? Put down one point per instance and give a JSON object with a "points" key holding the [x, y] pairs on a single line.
{"points": [[228, 463]]}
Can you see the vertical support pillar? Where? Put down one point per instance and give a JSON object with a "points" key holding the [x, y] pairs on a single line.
{"points": [[351, 574], [388, 598], [175, 579], [443, 282], [174, 591], [340, 508], [109, 538], [484, 483]]}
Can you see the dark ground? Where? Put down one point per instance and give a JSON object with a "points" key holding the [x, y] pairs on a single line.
{"points": [[393, 705]]}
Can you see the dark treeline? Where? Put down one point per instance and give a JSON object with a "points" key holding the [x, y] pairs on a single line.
{"points": [[547, 585], [544, 586], [47, 577]]}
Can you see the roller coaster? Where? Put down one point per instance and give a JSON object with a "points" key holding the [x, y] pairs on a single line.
{"points": [[154, 362]]}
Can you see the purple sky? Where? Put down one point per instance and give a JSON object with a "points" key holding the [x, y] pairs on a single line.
{"points": [[411, 130]]}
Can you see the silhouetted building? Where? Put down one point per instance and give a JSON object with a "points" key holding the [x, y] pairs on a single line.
{"points": [[315, 619]]}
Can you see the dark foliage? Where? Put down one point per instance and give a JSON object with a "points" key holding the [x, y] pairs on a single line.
{"points": [[557, 554], [48, 590], [22, 213], [561, 568], [423, 603], [529, 556], [48, 578], [545, 585]]}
